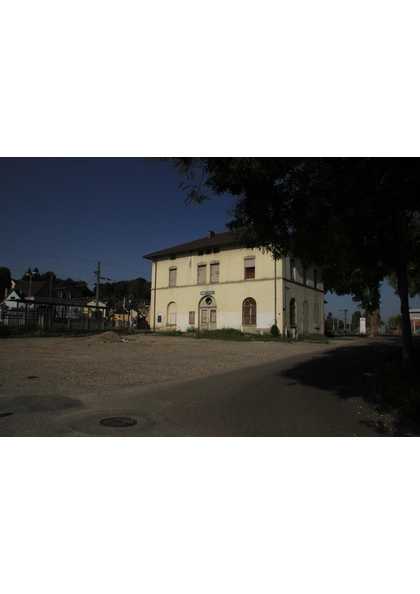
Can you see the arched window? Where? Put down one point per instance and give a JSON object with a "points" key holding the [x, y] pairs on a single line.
{"points": [[249, 312], [171, 314], [293, 309]]}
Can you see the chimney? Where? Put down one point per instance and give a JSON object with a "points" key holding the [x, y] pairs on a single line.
{"points": [[210, 234]]}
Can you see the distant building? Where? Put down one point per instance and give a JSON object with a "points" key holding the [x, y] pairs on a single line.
{"points": [[415, 320], [35, 300]]}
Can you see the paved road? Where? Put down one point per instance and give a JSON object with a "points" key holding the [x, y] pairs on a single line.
{"points": [[321, 394]]}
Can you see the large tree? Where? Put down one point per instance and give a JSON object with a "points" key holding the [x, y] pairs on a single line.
{"points": [[5, 281], [358, 218]]}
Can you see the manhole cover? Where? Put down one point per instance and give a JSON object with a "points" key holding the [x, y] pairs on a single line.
{"points": [[118, 422]]}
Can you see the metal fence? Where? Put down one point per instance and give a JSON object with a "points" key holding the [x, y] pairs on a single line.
{"points": [[66, 316], [56, 317]]}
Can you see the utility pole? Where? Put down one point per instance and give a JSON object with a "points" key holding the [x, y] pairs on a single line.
{"points": [[98, 280], [30, 274]]}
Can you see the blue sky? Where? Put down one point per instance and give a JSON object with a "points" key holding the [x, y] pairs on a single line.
{"points": [[67, 214]]}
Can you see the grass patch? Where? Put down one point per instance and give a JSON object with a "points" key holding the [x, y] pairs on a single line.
{"points": [[237, 335], [399, 386], [169, 333]]}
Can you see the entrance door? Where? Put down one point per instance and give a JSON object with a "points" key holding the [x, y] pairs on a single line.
{"points": [[208, 314]]}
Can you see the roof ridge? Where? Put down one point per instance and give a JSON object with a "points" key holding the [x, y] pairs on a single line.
{"points": [[216, 239]]}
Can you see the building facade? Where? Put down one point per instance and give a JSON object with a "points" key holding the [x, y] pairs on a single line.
{"points": [[214, 283]]}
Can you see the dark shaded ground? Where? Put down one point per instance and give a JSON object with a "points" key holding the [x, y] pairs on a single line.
{"points": [[349, 371]]}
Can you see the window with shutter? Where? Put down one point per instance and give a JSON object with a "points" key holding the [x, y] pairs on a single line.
{"points": [[201, 274], [172, 277], [249, 268], [214, 272]]}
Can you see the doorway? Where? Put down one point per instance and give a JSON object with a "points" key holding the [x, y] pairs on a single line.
{"points": [[305, 317], [208, 314]]}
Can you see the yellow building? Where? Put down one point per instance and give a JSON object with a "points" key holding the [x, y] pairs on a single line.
{"points": [[214, 283]]}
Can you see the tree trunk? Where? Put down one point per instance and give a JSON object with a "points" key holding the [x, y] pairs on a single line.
{"points": [[374, 323], [403, 290]]}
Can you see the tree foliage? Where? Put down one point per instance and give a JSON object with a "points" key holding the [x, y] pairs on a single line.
{"points": [[5, 281], [357, 218], [133, 290]]}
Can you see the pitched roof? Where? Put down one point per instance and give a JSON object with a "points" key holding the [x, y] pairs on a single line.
{"points": [[211, 241], [41, 289]]}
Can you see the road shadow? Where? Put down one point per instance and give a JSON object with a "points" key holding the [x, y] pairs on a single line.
{"points": [[349, 372]]}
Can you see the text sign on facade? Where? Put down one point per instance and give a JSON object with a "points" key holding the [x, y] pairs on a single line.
{"points": [[207, 292]]}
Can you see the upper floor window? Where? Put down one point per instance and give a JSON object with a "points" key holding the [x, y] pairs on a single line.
{"points": [[60, 294], [68, 295], [201, 274], [172, 277], [214, 272], [316, 314], [249, 268], [293, 270]]}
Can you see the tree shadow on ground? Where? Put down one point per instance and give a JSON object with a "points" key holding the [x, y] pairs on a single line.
{"points": [[349, 372]]}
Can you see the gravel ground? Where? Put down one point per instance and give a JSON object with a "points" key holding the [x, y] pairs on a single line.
{"points": [[39, 366]]}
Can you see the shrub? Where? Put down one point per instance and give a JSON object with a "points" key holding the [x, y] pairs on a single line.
{"points": [[274, 330]]}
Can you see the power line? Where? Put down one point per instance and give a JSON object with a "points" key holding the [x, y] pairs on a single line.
{"points": [[46, 256], [74, 259]]}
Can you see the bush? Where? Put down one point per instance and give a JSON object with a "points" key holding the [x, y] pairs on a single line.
{"points": [[274, 330]]}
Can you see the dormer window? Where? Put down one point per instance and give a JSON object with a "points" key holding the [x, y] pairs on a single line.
{"points": [[60, 295], [68, 295]]}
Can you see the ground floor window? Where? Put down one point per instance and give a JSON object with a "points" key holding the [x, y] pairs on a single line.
{"points": [[172, 314], [293, 310], [249, 312]]}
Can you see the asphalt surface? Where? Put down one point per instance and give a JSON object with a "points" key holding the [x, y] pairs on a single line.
{"points": [[326, 394]]}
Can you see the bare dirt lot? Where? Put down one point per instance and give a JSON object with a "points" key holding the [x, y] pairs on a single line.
{"points": [[64, 366]]}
